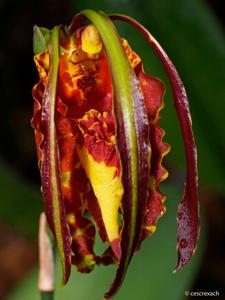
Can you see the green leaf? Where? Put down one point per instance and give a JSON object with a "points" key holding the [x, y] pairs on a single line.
{"points": [[40, 39]]}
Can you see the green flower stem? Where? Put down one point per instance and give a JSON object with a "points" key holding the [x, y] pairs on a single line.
{"points": [[47, 295]]}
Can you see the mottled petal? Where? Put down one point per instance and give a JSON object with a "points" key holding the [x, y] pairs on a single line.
{"points": [[37, 93], [134, 59], [86, 90], [99, 157], [153, 90], [42, 63], [155, 203], [76, 188]]}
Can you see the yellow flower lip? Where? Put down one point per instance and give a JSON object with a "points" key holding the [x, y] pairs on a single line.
{"points": [[91, 42]]}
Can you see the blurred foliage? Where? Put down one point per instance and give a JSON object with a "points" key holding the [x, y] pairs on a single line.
{"points": [[193, 38], [149, 276], [21, 203]]}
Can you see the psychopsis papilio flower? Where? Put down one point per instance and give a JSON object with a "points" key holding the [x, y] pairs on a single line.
{"points": [[100, 147]]}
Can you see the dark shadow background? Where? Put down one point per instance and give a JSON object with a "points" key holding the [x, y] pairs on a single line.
{"points": [[202, 69]]}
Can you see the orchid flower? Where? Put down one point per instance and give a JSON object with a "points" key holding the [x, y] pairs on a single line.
{"points": [[100, 146]]}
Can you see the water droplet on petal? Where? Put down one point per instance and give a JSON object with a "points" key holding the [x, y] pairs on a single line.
{"points": [[180, 215], [183, 243]]}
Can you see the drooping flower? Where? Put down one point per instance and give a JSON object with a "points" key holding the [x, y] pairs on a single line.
{"points": [[100, 146]]}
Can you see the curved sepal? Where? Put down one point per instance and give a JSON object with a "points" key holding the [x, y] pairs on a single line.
{"points": [[132, 139], [188, 211], [45, 93]]}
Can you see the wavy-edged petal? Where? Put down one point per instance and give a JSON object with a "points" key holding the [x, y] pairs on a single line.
{"points": [[153, 91]]}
